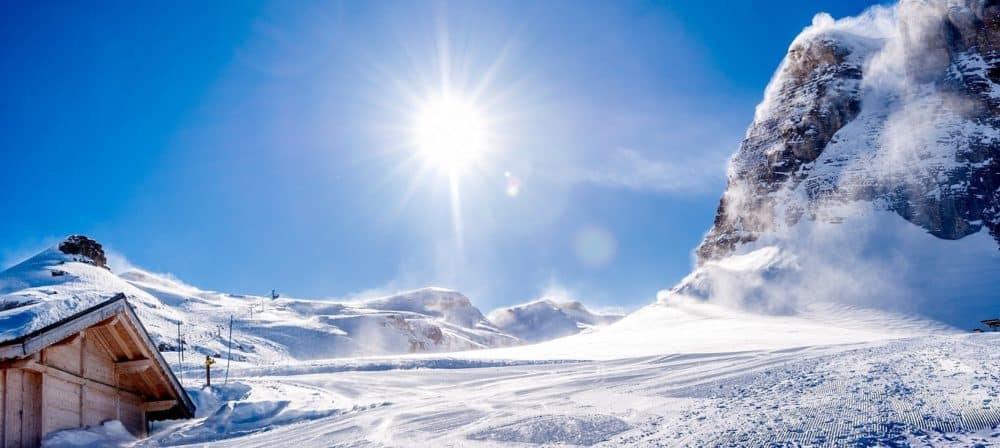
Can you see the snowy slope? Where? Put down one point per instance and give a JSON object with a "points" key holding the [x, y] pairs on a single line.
{"points": [[545, 319], [268, 330], [930, 391], [54, 285]]}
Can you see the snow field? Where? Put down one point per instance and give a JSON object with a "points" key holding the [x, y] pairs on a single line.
{"points": [[932, 390]]}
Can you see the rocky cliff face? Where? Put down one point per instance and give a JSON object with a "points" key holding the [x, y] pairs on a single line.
{"points": [[898, 108]]}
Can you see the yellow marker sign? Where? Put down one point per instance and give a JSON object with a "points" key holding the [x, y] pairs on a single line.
{"points": [[208, 370]]}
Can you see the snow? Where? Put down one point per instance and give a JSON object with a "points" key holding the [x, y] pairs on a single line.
{"points": [[838, 330], [109, 434], [683, 325], [562, 429], [869, 257], [689, 370], [932, 390], [547, 318], [267, 331], [52, 286]]}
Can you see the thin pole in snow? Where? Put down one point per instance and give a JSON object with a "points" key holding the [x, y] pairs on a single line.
{"points": [[230, 358], [180, 353]]}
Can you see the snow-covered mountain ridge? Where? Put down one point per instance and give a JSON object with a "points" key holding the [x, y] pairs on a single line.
{"points": [[55, 284], [548, 318]]}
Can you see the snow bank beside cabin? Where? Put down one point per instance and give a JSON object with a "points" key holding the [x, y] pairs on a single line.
{"points": [[108, 434], [242, 408]]}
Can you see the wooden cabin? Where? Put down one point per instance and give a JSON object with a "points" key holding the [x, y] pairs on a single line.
{"points": [[97, 365]]}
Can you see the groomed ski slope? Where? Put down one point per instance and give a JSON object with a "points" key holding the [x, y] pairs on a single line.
{"points": [[933, 390], [793, 380]]}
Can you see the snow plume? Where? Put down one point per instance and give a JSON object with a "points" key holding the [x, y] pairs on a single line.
{"points": [[873, 259], [117, 261]]}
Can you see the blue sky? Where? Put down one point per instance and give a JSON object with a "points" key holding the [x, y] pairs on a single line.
{"points": [[244, 146]]}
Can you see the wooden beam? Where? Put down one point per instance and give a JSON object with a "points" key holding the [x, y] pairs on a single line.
{"points": [[157, 406], [19, 363], [109, 323], [102, 342], [34, 366], [133, 334], [26, 364], [130, 367], [54, 372], [69, 341], [159, 376], [121, 342], [170, 382]]}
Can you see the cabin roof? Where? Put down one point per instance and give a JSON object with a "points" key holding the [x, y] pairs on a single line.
{"points": [[116, 306]]}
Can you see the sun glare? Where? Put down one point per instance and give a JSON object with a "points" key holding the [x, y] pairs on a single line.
{"points": [[450, 134]]}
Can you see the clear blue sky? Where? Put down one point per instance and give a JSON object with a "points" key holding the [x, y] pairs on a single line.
{"points": [[244, 146]]}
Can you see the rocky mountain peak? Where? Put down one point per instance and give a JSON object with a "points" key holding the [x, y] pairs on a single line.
{"points": [[899, 108], [89, 250]]}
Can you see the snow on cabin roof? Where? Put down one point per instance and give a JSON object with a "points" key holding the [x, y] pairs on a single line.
{"points": [[108, 312]]}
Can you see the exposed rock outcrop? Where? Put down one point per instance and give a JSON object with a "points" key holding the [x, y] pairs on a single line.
{"points": [[89, 250]]}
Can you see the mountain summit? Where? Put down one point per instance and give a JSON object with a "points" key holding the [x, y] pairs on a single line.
{"points": [[870, 174], [898, 108]]}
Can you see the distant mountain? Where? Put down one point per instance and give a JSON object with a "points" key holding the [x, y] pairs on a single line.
{"points": [[546, 319], [72, 276], [427, 320]]}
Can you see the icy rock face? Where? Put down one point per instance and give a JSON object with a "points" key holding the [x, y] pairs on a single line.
{"points": [[899, 108], [90, 250]]}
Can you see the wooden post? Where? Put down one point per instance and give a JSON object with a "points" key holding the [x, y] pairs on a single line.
{"points": [[208, 370], [180, 354]]}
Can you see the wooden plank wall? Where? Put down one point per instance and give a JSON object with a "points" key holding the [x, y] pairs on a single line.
{"points": [[31, 422], [100, 405], [96, 363], [83, 392], [131, 414], [12, 417], [22, 409], [61, 405], [61, 398]]}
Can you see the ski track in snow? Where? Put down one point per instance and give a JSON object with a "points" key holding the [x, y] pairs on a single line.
{"points": [[927, 391]]}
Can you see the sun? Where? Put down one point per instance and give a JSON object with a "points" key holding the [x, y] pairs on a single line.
{"points": [[450, 134]]}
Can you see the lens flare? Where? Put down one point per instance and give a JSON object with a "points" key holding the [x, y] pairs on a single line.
{"points": [[594, 247], [513, 184]]}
